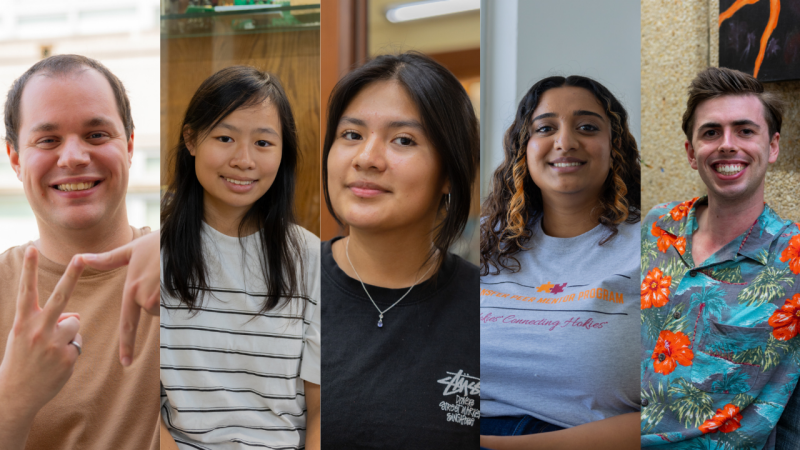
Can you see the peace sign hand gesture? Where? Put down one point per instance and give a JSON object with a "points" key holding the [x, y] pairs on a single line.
{"points": [[39, 355]]}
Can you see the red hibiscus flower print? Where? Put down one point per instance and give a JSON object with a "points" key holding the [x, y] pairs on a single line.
{"points": [[786, 319], [666, 239], [792, 254], [672, 349], [725, 420], [682, 209], [655, 289]]}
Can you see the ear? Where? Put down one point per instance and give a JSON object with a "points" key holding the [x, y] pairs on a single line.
{"points": [[130, 150], [446, 186], [690, 154], [13, 156], [188, 140], [774, 148]]}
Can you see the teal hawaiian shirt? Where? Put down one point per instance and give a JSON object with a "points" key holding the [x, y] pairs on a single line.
{"points": [[720, 351]]}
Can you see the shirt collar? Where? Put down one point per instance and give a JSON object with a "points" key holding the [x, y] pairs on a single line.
{"points": [[753, 243]]}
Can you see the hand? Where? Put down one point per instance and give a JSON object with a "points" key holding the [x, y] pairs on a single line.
{"points": [[142, 288], [39, 358]]}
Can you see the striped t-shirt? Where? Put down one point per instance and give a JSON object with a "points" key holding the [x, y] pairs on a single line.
{"points": [[233, 378]]}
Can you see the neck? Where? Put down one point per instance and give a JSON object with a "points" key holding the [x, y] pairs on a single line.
{"points": [[566, 217], [226, 221], [724, 221], [60, 245], [390, 260]]}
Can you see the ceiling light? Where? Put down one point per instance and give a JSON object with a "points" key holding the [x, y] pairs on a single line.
{"points": [[423, 10]]}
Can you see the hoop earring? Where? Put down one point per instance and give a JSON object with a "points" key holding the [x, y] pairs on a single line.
{"points": [[447, 205]]}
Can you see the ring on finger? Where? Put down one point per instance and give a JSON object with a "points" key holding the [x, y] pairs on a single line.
{"points": [[78, 346]]}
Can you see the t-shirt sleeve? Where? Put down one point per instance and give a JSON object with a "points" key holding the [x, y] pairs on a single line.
{"points": [[310, 366]]}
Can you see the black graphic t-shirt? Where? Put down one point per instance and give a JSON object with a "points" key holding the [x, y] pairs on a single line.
{"points": [[412, 383]]}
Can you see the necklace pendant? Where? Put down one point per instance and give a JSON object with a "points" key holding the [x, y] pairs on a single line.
{"points": [[380, 321]]}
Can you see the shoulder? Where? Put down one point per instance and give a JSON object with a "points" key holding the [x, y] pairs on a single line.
{"points": [[308, 242], [11, 264], [659, 211]]}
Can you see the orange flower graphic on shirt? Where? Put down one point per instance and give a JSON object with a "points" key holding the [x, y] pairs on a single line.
{"points": [[792, 254], [666, 239], [682, 209], [725, 420], [672, 349], [655, 289], [786, 319]]}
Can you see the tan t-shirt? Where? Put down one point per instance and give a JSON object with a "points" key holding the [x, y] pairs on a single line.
{"points": [[103, 405]]}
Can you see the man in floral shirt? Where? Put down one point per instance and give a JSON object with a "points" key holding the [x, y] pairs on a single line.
{"points": [[721, 282]]}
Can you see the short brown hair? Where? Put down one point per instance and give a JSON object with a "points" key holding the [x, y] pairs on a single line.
{"points": [[716, 82], [62, 65]]}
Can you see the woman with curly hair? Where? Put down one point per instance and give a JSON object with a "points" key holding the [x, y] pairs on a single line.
{"points": [[559, 275]]}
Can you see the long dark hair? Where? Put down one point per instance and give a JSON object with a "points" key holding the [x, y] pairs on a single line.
{"points": [[515, 201], [185, 272], [448, 121]]}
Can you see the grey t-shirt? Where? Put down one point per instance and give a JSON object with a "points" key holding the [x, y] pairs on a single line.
{"points": [[560, 339]]}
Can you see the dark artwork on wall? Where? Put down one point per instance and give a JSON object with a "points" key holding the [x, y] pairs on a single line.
{"points": [[761, 37]]}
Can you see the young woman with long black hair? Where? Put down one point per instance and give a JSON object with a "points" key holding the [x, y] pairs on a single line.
{"points": [[240, 342]]}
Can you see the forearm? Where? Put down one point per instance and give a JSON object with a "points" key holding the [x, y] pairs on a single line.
{"points": [[15, 423], [615, 433], [167, 442], [313, 436]]}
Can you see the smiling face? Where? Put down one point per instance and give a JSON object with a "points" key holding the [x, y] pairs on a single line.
{"points": [[731, 147], [74, 155], [569, 152], [237, 161], [383, 172]]}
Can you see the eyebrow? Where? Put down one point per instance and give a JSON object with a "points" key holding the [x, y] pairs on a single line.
{"points": [[98, 122], [267, 130], [580, 112], [583, 112], [735, 123], [393, 124], [47, 126]]}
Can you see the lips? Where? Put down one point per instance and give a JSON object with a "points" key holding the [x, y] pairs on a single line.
{"points": [[75, 184], [566, 162], [239, 182], [366, 189], [728, 168]]}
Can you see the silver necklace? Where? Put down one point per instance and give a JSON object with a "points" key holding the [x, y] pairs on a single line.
{"points": [[380, 313]]}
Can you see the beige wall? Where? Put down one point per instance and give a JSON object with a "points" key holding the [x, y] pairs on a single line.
{"points": [[680, 38]]}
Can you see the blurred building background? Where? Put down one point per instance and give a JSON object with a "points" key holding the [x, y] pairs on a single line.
{"points": [[124, 36], [354, 30]]}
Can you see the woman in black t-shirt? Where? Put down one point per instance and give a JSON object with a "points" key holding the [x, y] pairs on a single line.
{"points": [[400, 313]]}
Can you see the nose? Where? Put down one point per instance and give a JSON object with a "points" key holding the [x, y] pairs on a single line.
{"points": [[242, 158], [727, 143], [565, 139], [74, 153], [371, 154]]}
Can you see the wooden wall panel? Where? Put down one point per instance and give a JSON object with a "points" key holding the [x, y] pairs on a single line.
{"points": [[294, 56]]}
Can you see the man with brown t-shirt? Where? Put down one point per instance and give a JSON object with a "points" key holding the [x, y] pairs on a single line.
{"points": [[69, 136]]}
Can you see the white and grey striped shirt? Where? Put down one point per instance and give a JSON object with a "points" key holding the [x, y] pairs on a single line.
{"points": [[232, 378]]}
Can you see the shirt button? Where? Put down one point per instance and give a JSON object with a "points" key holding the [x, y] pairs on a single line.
{"points": [[645, 402], [661, 357], [676, 315], [692, 273]]}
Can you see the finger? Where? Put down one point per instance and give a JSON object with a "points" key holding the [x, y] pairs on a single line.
{"points": [[64, 316], [66, 330], [128, 323], [58, 300], [28, 296], [78, 340], [109, 260]]}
